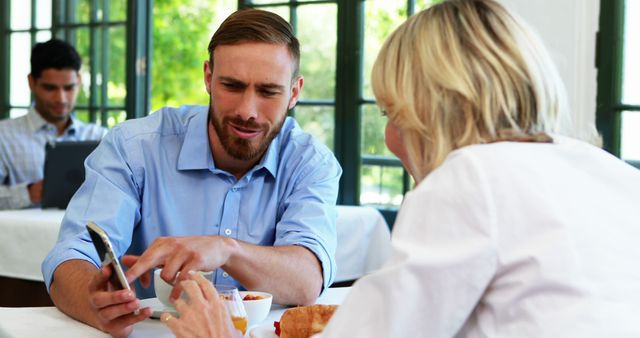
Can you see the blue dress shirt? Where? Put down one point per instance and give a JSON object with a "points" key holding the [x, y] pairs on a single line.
{"points": [[156, 176], [22, 142]]}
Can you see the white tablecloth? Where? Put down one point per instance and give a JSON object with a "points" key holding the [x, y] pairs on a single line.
{"points": [[27, 236], [49, 322], [364, 241]]}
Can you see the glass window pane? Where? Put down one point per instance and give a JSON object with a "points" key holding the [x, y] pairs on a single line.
{"points": [[630, 136], [422, 4], [83, 48], [19, 70], [381, 186], [82, 115], [20, 14], [318, 55], [115, 117], [283, 11], [83, 12], [117, 10], [42, 36], [319, 121], [381, 18], [221, 10], [43, 14], [631, 62], [177, 83], [17, 112], [116, 85], [99, 8], [98, 120], [373, 125], [261, 2]]}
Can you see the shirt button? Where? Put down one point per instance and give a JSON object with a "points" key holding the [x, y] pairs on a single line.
{"points": [[225, 275], [227, 232], [234, 189]]}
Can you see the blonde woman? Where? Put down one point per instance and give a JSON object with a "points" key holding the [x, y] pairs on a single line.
{"points": [[514, 228]]}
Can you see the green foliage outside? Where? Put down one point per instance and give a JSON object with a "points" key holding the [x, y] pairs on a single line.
{"points": [[317, 33], [181, 34]]}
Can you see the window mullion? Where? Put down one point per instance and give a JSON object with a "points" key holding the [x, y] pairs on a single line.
{"points": [[139, 57], [348, 95], [609, 63], [5, 17], [105, 52]]}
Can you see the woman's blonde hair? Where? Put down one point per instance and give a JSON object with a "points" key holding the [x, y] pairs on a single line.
{"points": [[466, 72]]}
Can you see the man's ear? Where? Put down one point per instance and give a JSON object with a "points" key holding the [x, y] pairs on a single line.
{"points": [[79, 79], [296, 88], [208, 74], [32, 82]]}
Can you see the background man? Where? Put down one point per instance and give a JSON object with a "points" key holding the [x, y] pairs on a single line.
{"points": [[54, 81], [236, 186]]}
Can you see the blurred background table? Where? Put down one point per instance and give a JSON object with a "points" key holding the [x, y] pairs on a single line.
{"points": [[26, 237]]}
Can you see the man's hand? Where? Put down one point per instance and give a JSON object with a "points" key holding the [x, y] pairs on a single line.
{"points": [[114, 309], [179, 254], [85, 293], [35, 191]]}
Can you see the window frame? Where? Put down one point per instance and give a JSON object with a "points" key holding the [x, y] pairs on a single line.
{"points": [[609, 61], [138, 46], [349, 97]]}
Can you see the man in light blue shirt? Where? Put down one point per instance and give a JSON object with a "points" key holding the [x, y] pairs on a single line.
{"points": [[236, 186], [54, 81]]}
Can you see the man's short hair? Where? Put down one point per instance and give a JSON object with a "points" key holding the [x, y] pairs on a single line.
{"points": [[254, 25], [56, 54]]}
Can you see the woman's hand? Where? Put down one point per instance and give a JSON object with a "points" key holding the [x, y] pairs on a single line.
{"points": [[203, 315]]}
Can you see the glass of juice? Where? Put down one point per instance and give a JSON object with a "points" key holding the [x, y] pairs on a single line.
{"points": [[233, 302]]}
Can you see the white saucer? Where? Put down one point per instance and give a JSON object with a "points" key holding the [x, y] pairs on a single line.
{"points": [[263, 331], [157, 307]]}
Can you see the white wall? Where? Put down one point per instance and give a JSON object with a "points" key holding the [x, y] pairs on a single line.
{"points": [[568, 29]]}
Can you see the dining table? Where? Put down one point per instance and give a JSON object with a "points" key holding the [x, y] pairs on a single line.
{"points": [[26, 322]]}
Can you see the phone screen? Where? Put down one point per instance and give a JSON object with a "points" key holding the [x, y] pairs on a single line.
{"points": [[101, 248], [107, 255]]}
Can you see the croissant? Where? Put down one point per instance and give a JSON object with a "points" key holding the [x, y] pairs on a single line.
{"points": [[305, 321]]}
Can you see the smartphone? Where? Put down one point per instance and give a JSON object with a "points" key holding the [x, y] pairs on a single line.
{"points": [[107, 255]]}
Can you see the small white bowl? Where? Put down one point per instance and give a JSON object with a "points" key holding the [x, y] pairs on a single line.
{"points": [[257, 310], [163, 289]]}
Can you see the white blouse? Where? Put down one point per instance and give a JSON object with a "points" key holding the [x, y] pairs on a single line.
{"points": [[509, 240]]}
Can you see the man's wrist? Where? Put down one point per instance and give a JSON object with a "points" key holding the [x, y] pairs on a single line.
{"points": [[232, 248]]}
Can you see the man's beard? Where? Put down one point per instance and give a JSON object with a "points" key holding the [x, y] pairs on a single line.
{"points": [[239, 148], [49, 115]]}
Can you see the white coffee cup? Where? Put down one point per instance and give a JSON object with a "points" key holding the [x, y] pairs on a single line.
{"points": [[163, 289]]}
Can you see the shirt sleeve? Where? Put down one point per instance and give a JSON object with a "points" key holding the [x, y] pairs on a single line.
{"points": [[443, 259], [108, 197], [14, 197], [309, 217]]}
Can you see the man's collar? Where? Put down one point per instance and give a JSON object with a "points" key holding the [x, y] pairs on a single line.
{"points": [[37, 122], [196, 152], [270, 160]]}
